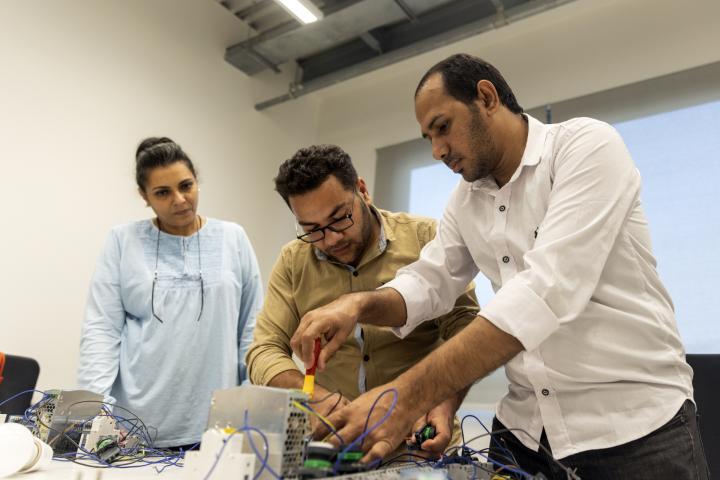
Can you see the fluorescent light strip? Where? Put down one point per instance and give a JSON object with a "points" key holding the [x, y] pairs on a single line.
{"points": [[303, 10]]}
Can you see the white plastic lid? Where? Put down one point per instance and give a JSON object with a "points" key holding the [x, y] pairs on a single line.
{"points": [[17, 448]]}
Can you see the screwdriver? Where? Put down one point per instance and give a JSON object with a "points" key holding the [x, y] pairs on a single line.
{"points": [[309, 384]]}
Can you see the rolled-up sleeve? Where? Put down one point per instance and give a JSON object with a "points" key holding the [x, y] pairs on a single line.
{"points": [[103, 323], [464, 311], [270, 352], [595, 188]]}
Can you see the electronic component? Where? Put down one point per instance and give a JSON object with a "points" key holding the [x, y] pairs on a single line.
{"points": [[349, 462], [271, 425], [272, 411], [220, 457], [59, 417], [319, 458], [412, 472], [425, 433], [102, 429], [322, 459], [107, 449]]}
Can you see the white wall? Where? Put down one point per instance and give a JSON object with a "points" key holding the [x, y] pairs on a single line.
{"points": [[81, 82], [579, 48]]}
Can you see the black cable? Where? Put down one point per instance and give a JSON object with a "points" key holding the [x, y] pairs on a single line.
{"points": [[340, 397], [397, 457], [492, 439], [324, 398], [63, 433], [103, 464], [144, 426], [570, 473]]}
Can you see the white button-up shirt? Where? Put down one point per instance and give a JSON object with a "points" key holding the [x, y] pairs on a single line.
{"points": [[566, 246]]}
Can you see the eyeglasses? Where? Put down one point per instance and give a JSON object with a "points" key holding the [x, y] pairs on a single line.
{"points": [[337, 226], [155, 276]]}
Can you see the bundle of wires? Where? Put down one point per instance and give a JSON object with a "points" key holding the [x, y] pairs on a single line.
{"points": [[143, 452], [502, 460], [357, 443], [140, 454], [307, 408]]}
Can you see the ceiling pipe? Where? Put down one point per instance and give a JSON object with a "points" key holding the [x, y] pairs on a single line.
{"points": [[296, 90]]}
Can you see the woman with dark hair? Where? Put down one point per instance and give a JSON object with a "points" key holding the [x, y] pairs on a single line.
{"points": [[172, 304]]}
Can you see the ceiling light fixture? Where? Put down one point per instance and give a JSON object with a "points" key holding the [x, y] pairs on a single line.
{"points": [[304, 10]]}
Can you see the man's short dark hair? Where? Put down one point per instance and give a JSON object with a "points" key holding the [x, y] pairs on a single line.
{"points": [[311, 166], [462, 72]]}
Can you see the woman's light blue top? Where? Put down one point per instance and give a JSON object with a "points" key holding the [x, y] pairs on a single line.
{"points": [[166, 372]]}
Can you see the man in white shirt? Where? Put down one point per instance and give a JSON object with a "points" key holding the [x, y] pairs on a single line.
{"points": [[551, 215]]}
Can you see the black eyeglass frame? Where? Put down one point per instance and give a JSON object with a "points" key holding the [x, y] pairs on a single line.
{"points": [[155, 275], [330, 226]]}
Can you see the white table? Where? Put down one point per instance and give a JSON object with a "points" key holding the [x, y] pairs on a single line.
{"points": [[61, 470]]}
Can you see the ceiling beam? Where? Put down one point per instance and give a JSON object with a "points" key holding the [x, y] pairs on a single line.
{"points": [[406, 10], [500, 11], [471, 29], [372, 42]]}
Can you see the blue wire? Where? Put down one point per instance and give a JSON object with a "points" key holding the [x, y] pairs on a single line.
{"points": [[169, 460], [445, 461], [501, 465], [189, 449], [371, 429], [262, 459], [219, 454], [332, 430], [265, 465], [144, 434], [19, 394], [32, 410], [169, 464], [492, 437]]}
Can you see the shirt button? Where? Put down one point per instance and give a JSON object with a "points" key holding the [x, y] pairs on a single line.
{"points": [[502, 208], [545, 392], [366, 358], [506, 259], [355, 273]]}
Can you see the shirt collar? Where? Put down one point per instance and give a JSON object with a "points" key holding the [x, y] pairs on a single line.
{"points": [[386, 234], [537, 132]]}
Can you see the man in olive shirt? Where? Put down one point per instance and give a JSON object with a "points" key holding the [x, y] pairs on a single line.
{"points": [[346, 245]]}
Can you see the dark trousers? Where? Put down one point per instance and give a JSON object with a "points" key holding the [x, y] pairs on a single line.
{"points": [[673, 451]]}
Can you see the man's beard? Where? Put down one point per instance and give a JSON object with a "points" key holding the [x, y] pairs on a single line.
{"points": [[482, 150]]}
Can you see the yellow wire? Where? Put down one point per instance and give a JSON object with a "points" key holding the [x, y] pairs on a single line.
{"points": [[313, 412]]}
